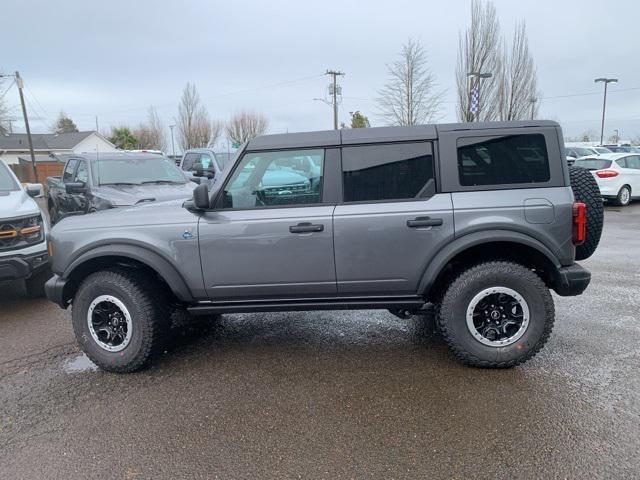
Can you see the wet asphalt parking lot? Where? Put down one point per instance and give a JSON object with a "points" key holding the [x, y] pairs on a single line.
{"points": [[333, 394]]}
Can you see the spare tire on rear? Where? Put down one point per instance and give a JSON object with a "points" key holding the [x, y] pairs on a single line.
{"points": [[585, 190]]}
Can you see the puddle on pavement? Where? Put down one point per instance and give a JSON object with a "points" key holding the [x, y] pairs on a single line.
{"points": [[79, 364]]}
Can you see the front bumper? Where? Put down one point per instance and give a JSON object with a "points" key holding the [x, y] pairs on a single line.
{"points": [[22, 266], [572, 280], [54, 290]]}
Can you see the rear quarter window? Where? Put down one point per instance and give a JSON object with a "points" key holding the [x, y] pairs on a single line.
{"points": [[499, 160]]}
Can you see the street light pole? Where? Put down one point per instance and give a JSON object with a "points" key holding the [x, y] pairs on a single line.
{"points": [[477, 76], [173, 145], [533, 101], [606, 82]]}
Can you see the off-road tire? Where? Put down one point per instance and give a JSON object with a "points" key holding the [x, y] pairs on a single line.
{"points": [[34, 285], [150, 316], [452, 315], [619, 198], [586, 190]]}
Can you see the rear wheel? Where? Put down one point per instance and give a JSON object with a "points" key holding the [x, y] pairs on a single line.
{"points": [[624, 196], [119, 319], [496, 315]]}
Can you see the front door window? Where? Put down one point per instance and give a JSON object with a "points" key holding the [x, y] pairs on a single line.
{"points": [[265, 179]]}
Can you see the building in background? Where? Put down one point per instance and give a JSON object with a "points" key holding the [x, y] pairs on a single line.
{"points": [[15, 145]]}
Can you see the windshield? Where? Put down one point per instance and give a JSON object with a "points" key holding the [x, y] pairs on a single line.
{"points": [[583, 152], [137, 171], [602, 150], [593, 163], [7, 182]]}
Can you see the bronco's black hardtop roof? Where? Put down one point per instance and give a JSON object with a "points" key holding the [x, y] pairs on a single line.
{"points": [[328, 138]]}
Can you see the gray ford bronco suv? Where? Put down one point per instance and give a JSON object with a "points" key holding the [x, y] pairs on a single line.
{"points": [[480, 220]]}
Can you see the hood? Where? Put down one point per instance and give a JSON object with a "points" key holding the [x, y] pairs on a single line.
{"points": [[17, 204], [147, 213], [277, 178], [124, 195]]}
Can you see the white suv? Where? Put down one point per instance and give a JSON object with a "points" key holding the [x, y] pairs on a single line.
{"points": [[23, 234]]}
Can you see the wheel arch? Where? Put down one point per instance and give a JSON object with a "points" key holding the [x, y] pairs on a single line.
{"points": [[488, 245], [135, 256]]}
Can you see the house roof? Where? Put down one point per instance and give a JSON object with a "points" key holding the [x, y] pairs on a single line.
{"points": [[43, 141]]}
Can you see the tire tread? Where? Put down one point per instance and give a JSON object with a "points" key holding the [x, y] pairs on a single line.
{"points": [[456, 288], [151, 305]]}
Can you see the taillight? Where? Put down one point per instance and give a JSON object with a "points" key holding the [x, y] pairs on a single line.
{"points": [[606, 173], [579, 223]]}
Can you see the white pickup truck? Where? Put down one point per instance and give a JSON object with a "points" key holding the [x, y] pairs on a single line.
{"points": [[23, 234]]}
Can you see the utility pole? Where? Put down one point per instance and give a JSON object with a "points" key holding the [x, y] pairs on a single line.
{"points": [[173, 145], [20, 86], [334, 93], [97, 123]]}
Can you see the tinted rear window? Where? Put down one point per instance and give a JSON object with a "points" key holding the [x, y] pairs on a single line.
{"points": [[593, 163], [387, 172], [509, 159]]}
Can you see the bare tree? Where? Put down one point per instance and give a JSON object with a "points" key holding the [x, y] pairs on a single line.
{"points": [[151, 135], [195, 128], [245, 125], [479, 52], [409, 96], [518, 91]]}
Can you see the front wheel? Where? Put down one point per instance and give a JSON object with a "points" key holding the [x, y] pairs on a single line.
{"points": [[496, 315], [119, 319]]}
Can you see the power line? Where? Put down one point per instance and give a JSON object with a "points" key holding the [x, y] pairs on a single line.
{"points": [[42, 109], [584, 94], [214, 97], [13, 82]]}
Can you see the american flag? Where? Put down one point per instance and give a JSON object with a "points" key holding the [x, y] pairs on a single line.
{"points": [[474, 101]]}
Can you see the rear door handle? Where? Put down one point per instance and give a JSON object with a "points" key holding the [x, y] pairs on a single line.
{"points": [[424, 222], [306, 227]]}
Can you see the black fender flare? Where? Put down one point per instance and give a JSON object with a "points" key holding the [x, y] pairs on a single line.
{"points": [[460, 244], [142, 254]]}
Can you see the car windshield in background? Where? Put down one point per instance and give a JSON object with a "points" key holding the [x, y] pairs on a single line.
{"points": [[593, 163], [583, 152], [602, 150], [137, 171], [7, 181]]}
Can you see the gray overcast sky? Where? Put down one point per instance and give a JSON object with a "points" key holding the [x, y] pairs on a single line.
{"points": [[114, 59]]}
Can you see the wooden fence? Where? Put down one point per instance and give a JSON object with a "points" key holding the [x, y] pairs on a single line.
{"points": [[24, 171]]}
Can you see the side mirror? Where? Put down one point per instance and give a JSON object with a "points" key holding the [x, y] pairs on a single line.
{"points": [[201, 197], [34, 189], [75, 187], [196, 180]]}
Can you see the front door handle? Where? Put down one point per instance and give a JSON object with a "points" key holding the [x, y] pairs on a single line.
{"points": [[306, 227], [424, 222]]}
